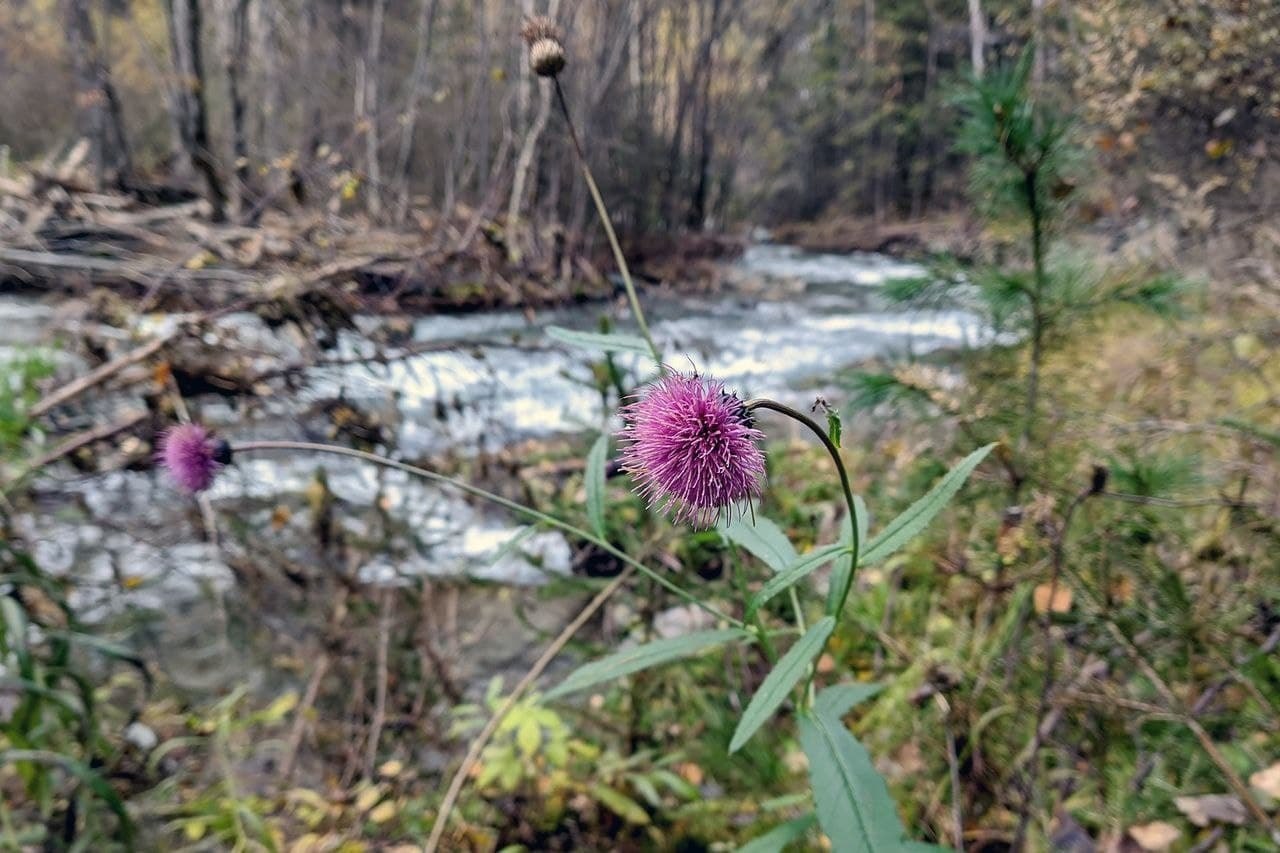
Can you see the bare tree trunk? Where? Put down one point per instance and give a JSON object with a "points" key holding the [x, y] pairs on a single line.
{"points": [[698, 203], [368, 108], [923, 175], [977, 37], [99, 117], [184, 34], [876, 103], [237, 58], [1041, 46], [417, 83]]}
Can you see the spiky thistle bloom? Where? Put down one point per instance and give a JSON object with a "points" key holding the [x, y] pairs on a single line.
{"points": [[546, 48], [193, 456], [692, 447]]}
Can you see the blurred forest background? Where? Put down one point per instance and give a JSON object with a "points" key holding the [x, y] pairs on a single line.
{"points": [[204, 202], [697, 115]]}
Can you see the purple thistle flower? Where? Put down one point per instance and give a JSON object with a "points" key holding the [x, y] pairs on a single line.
{"points": [[692, 447], [193, 456]]}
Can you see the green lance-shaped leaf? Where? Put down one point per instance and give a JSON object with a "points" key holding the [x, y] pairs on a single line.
{"points": [[854, 806], [778, 683], [600, 342], [644, 656], [839, 699], [797, 571], [777, 839], [905, 527], [595, 483], [762, 539]]}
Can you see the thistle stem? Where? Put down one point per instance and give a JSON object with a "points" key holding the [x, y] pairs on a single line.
{"points": [[603, 211], [834, 452], [476, 491]]}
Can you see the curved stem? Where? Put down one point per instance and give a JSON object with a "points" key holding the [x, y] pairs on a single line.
{"points": [[801, 417], [476, 491], [603, 211]]}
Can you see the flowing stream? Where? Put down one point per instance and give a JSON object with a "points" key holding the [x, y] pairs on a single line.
{"points": [[783, 324]]}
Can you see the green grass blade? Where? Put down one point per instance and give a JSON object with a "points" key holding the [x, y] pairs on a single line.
{"points": [[81, 771], [777, 839]]}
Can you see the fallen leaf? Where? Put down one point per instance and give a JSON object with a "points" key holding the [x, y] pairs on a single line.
{"points": [[384, 811], [1267, 781], [1212, 808], [691, 773], [1155, 836], [1061, 598]]}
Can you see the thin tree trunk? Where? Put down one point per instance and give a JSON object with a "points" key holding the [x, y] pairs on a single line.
{"points": [[99, 116], [876, 104], [515, 204], [1041, 46], [417, 83], [698, 203], [977, 38], [184, 33], [921, 173], [368, 113], [237, 58]]}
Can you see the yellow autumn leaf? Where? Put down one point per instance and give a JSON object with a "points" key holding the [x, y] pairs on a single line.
{"points": [[368, 798], [384, 811]]}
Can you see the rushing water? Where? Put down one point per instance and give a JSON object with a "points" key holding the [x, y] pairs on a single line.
{"points": [[783, 324]]}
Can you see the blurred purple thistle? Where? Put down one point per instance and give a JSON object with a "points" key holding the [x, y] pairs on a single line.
{"points": [[692, 447], [193, 456]]}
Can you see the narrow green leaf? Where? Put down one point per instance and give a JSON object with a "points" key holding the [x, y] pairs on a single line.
{"points": [[839, 699], [761, 538], [864, 519], [599, 342], [595, 483], [777, 839], [641, 657], [82, 772], [834, 429], [14, 619], [778, 683], [905, 527], [854, 806], [620, 804], [800, 569]]}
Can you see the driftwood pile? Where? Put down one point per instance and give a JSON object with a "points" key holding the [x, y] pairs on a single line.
{"points": [[157, 247]]}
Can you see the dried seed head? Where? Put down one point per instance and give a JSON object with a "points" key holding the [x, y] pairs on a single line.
{"points": [[546, 48], [537, 28], [546, 57]]}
